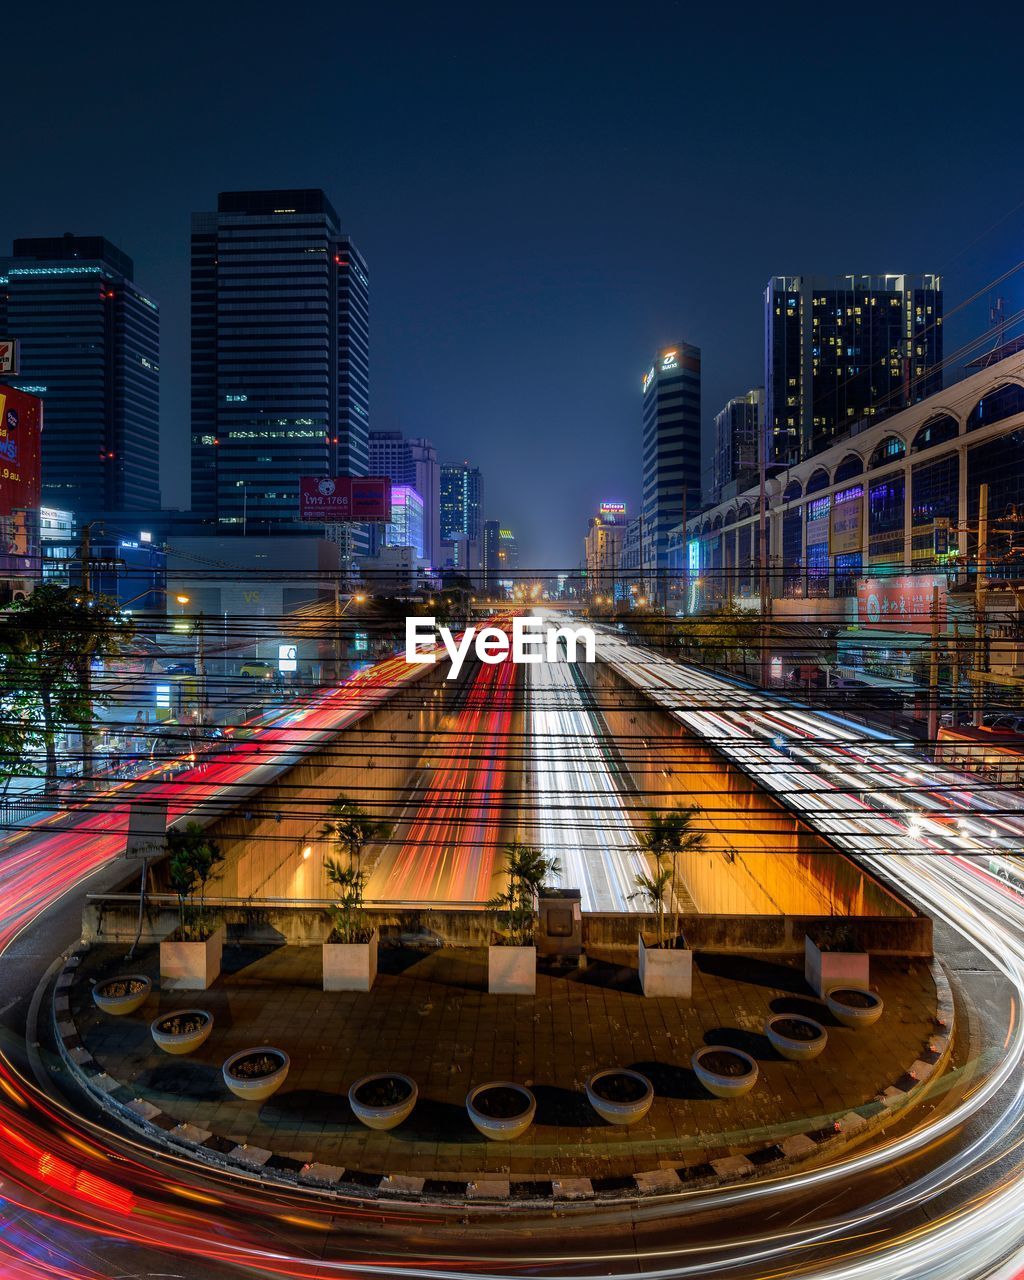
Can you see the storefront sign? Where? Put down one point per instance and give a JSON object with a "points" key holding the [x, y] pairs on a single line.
{"points": [[846, 524], [900, 603]]}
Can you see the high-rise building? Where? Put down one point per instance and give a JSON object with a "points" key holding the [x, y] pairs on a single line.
{"points": [[736, 428], [405, 529], [462, 500], [90, 349], [280, 370], [500, 556], [842, 349], [413, 462], [671, 448], [603, 551]]}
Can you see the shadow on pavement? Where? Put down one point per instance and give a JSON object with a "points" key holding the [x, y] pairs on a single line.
{"points": [[758, 973], [755, 1044], [563, 1107], [671, 1081]]}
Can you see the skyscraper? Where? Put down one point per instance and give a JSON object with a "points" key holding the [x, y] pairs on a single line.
{"points": [[280, 369], [90, 349], [500, 556], [462, 520], [412, 462], [671, 447], [736, 428], [845, 348]]}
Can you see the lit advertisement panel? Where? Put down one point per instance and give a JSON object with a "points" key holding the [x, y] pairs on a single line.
{"points": [[329, 499], [21, 422]]}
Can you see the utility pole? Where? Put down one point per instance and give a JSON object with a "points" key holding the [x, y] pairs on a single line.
{"points": [[87, 756], [933, 673], [980, 583], [954, 677], [201, 668], [762, 559]]}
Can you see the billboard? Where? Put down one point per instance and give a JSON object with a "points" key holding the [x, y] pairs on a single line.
{"points": [[846, 523], [329, 499], [901, 604], [21, 421], [612, 512]]}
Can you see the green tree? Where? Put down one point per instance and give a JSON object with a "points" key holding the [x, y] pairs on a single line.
{"points": [[194, 859], [664, 838], [527, 868], [351, 829], [655, 888], [727, 636], [48, 643]]}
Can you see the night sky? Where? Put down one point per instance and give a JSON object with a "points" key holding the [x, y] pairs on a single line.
{"points": [[544, 193]]}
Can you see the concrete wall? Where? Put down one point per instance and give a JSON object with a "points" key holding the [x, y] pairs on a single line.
{"points": [[263, 839], [113, 918], [759, 858]]}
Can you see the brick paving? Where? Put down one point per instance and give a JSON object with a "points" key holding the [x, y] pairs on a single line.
{"points": [[429, 1015]]}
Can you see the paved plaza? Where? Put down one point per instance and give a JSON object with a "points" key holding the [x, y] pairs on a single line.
{"points": [[429, 1016]]}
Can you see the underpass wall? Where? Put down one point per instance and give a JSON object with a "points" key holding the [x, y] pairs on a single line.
{"points": [[759, 858], [371, 762]]}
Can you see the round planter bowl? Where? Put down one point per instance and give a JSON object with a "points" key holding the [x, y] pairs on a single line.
{"points": [[710, 1067], [853, 1007], [256, 1088], [181, 1041], [129, 1001], [501, 1127], [797, 1038], [386, 1115], [631, 1095]]}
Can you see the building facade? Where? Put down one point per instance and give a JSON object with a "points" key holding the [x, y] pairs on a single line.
{"points": [[405, 528], [90, 349], [461, 516], [280, 357], [671, 449], [412, 462], [603, 552], [736, 436], [868, 509], [839, 350]]}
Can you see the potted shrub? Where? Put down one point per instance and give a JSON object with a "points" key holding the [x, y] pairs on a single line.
{"points": [[666, 967], [190, 957], [181, 1031], [122, 995], [831, 959], [725, 1072], [254, 1074], [384, 1100], [512, 959], [854, 1007], [350, 952], [795, 1036], [620, 1096], [500, 1110]]}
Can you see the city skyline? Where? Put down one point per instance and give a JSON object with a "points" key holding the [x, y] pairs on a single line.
{"points": [[444, 364]]}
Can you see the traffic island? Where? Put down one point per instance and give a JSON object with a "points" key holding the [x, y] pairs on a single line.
{"points": [[429, 1017]]}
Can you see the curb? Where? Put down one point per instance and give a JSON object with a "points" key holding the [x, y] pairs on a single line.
{"points": [[491, 1189]]}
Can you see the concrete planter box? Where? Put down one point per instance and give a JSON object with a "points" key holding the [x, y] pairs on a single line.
{"points": [[384, 1100], [724, 1072], [125, 994], [797, 1038], [666, 971], [171, 1040], [350, 966], [256, 1088], [191, 966], [827, 969], [501, 1111], [512, 971], [620, 1096], [854, 1007]]}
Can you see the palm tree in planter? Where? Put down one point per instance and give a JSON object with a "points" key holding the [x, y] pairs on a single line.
{"points": [[190, 958], [350, 953], [667, 970], [512, 963]]}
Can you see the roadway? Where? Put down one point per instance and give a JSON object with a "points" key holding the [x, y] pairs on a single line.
{"points": [[449, 841], [580, 812], [939, 1197]]}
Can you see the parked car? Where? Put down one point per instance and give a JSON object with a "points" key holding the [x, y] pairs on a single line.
{"points": [[1007, 720], [257, 669], [180, 669]]}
